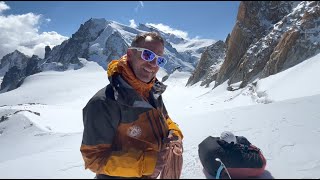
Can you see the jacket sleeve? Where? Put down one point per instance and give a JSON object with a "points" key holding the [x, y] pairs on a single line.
{"points": [[172, 125], [99, 130], [101, 120]]}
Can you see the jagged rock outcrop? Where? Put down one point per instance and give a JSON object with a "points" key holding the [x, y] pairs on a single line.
{"points": [[33, 66], [20, 68], [47, 51], [269, 37], [77, 46], [15, 58], [297, 44], [12, 79], [254, 20], [115, 47], [209, 64]]}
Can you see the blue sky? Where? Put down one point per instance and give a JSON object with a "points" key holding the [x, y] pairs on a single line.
{"points": [[212, 20]]}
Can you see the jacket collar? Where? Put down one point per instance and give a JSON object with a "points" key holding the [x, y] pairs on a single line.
{"points": [[126, 95], [122, 67]]}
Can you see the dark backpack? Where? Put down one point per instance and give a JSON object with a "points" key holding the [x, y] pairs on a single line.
{"points": [[234, 156]]}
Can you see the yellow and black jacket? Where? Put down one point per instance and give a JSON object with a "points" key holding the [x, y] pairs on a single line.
{"points": [[124, 125]]}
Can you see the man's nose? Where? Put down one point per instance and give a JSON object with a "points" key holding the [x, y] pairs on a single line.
{"points": [[154, 62]]}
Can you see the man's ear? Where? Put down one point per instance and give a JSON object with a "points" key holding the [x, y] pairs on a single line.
{"points": [[130, 54]]}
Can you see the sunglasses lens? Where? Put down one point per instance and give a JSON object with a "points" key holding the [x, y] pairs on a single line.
{"points": [[148, 55], [161, 61]]}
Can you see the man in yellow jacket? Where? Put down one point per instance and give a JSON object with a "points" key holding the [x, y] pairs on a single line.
{"points": [[127, 130]]}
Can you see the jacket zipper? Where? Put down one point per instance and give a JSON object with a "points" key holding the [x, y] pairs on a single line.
{"points": [[160, 125], [153, 130]]}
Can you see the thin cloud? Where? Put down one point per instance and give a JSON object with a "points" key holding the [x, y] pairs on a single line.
{"points": [[141, 3], [133, 23], [191, 44], [139, 6], [3, 6], [168, 29], [21, 32]]}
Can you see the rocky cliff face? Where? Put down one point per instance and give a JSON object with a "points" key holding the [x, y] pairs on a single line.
{"points": [[299, 43], [10, 60], [255, 21], [19, 68], [209, 64], [270, 37], [77, 46]]}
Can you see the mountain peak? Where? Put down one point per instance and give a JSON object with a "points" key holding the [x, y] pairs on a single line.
{"points": [[14, 55], [17, 52], [16, 58], [145, 27], [96, 20]]}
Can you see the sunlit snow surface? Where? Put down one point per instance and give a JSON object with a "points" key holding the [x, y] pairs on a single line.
{"points": [[41, 133]]}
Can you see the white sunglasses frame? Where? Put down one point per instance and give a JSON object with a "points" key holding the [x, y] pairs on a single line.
{"points": [[156, 56]]}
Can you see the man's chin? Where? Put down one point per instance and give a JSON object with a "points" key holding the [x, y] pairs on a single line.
{"points": [[146, 79]]}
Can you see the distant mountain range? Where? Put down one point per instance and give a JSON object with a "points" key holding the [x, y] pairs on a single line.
{"points": [[101, 41], [268, 37]]}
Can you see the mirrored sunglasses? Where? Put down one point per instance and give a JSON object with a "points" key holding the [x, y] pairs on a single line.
{"points": [[149, 56]]}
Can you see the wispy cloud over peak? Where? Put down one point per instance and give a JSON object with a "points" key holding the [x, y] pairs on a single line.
{"points": [[168, 29], [132, 23], [139, 6], [191, 43], [141, 3]]}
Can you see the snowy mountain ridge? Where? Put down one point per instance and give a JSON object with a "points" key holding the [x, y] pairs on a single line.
{"points": [[101, 41]]}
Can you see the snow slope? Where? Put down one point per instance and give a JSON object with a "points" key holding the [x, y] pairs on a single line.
{"points": [[280, 115]]}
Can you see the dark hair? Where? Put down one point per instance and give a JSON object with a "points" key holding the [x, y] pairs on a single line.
{"points": [[142, 36]]}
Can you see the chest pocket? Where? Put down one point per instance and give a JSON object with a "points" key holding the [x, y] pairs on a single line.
{"points": [[138, 129]]}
